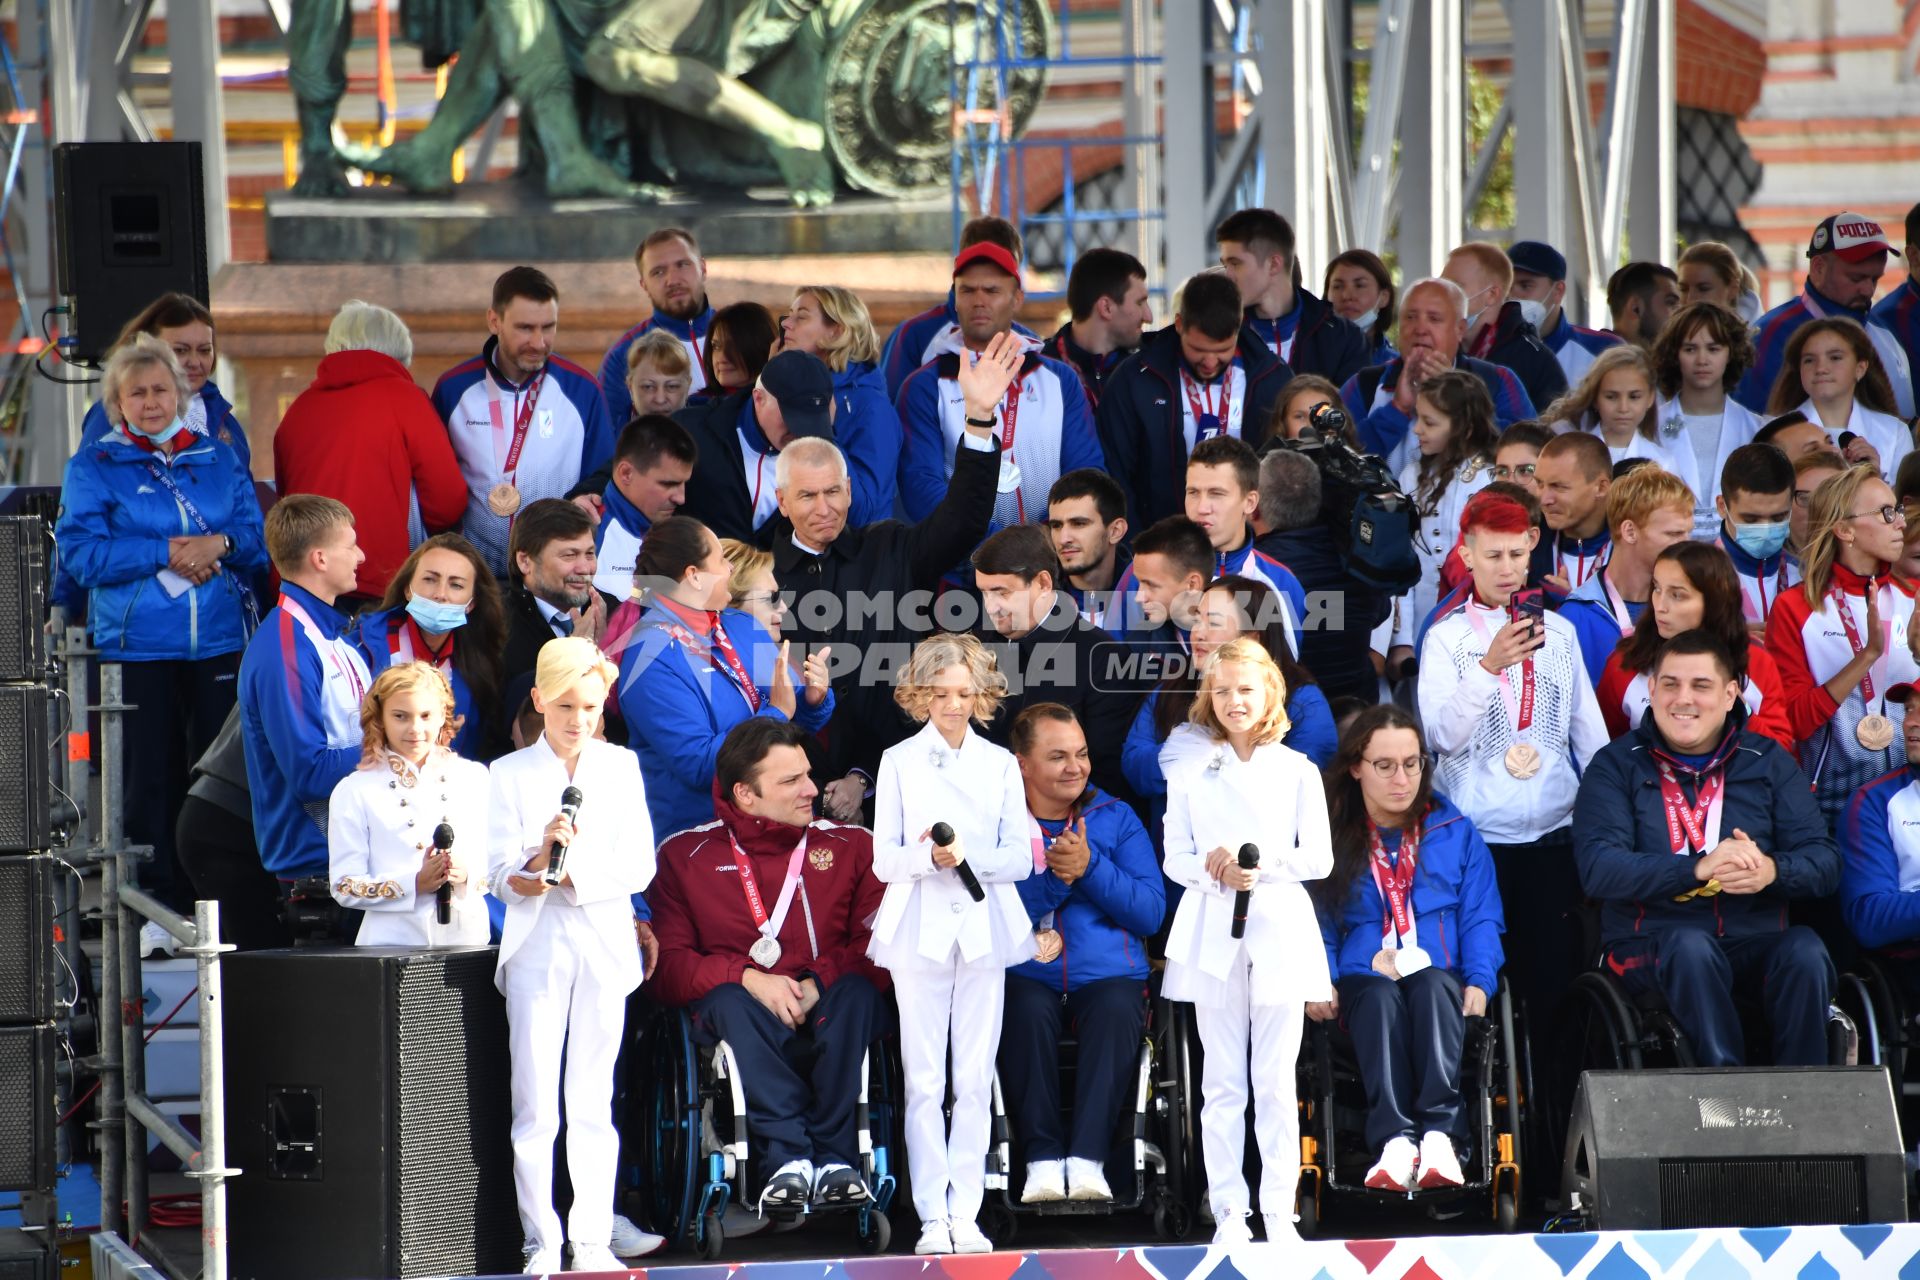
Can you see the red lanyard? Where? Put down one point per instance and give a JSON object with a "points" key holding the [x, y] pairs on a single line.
{"points": [[1853, 633], [1523, 717], [1687, 824], [1560, 564], [722, 657], [750, 886], [1202, 405], [1395, 881], [1760, 585], [522, 419], [1010, 415], [401, 646]]}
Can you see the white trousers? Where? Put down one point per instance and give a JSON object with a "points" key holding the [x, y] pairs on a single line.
{"points": [[558, 1009], [940, 1004], [1232, 1035]]}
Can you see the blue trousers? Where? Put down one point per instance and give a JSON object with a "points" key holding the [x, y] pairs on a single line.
{"points": [[1696, 973], [1407, 1036], [1108, 1018], [802, 1087]]}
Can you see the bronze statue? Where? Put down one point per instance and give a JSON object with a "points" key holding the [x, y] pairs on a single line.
{"points": [[804, 91]]}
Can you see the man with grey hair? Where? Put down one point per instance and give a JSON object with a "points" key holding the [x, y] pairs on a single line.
{"points": [[1433, 327], [1342, 611], [365, 434]]}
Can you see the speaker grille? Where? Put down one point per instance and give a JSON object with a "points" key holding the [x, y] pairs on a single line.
{"points": [[26, 939], [24, 760], [23, 598], [1803, 1191], [26, 1108], [457, 1213]]}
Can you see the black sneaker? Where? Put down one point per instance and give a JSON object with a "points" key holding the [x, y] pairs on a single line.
{"points": [[839, 1185], [785, 1191]]}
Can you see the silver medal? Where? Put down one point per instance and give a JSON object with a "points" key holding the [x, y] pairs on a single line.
{"points": [[765, 952], [1411, 960]]}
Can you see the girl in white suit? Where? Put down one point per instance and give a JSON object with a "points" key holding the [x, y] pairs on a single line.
{"points": [[382, 817], [949, 954], [568, 953], [1249, 994]]}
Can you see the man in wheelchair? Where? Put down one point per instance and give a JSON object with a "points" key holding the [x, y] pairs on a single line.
{"points": [[1694, 835], [1095, 894], [1880, 861], [763, 918]]}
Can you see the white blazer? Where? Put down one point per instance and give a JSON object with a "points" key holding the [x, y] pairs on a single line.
{"points": [[1738, 426], [927, 912], [1438, 532], [1889, 435], [378, 832], [1276, 801], [610, 860]]}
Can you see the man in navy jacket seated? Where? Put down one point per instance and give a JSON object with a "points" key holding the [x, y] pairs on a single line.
{"points": [[1694, 835], [1095, 895]]}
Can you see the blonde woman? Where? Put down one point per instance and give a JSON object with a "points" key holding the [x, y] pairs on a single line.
{"points": [[384, 818], [951, 921], [1618, 400], [751, 588], [659, 374], [1846, 637], [832, 323], [1246, 788]]}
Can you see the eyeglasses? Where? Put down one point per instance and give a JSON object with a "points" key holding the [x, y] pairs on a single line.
{"points": [[1508, 473], [1888, 515], [760, 598], [1802, 497], [1412, 766]]}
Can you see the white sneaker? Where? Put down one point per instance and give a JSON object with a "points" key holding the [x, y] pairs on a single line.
{"points": [[154, 938], [628, 1241], [1046, 1182], [1393, 1171], [935, 1238], [1087, 1180], [1439, 1165], [1231, 1229], [1280, 1229], [595, 1257], [540, 1261], [969, 1238]]}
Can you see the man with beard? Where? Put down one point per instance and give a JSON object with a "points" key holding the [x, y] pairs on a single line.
{"points": [[1087, 519], [1845, 260], [551, 592], [1640, 297], [674, 276]]}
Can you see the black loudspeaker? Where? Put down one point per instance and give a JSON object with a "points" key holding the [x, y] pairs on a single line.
{"points": [[23, 598], [24, 1256], [1749, 1147], [368, 1088], [26, 938], [26, 1108], [26, 790], [131, 218]]}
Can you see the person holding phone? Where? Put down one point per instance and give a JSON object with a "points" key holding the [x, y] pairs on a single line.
{"points": [[1512, 721]]}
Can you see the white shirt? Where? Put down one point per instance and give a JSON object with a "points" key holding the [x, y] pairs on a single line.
{"points": [[1228, 392], [380, 823], [1885, 433], [927, 912], [611, 857], [1736, 425], [1470, 725], [1438, 532], [1276, 801]]}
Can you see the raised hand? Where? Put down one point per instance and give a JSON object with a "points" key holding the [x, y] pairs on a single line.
{"points": [[984, 379]]}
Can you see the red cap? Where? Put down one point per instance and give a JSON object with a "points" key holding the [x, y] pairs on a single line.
{"points": [[1900, 693], [1853, 237], [987, 251]]}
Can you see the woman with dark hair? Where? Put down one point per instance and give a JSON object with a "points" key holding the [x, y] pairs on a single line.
{"points": [[1698, 359], [1412, 919], [693, 667], [443, 607], [1832, 374], [739, 342], [1694, 588], [1360, 288]]}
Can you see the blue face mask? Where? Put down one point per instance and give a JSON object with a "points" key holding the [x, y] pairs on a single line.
{"points": [[436, 617], [165, 434], [1761, 541]]}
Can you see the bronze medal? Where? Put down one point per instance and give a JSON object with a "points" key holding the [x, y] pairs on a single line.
{"points": [[1875, 733], [503, 499], [1523, 760]]}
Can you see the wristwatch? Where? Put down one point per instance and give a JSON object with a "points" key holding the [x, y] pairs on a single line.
{"points": [[989, 423]]}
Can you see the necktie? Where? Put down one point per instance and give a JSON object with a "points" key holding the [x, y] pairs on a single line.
{"points": [[562, 625]]}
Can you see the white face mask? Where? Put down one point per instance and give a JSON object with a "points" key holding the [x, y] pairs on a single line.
{"points": [[1533, 311], [1366, 318]]}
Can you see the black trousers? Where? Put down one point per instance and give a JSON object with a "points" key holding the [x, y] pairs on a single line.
{"points": [[802, 1087], [1408, 1037], [1108, 1018], [1696, 973], [1539, 893], [217, 851], [179, 707]]}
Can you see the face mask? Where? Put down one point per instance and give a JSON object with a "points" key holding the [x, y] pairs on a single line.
{"points": [[1533, 311], [1473, 318], [1366, 318], [167, 433], [1761, 540], [436, 617]]}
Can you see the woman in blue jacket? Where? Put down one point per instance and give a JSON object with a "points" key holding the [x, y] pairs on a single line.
{"points": [[1231, 607], [694, 668], [1412, 922], [1095, 895], [160, 528], [831, 322]]}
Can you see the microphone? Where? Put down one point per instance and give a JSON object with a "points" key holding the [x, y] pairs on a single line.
{"points": [[556, 852], [943, 835], [443, 896], [1249, 859]]}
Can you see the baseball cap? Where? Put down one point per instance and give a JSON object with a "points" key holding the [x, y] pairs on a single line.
{"points": [[1537, 258], [1900, 693], [1853, 236], [803, 387], [986, 252]]}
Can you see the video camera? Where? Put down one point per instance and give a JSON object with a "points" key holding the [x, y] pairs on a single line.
{"points": [[1371, 519]]}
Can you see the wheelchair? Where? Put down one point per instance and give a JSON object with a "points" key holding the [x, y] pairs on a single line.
{"points": [[1335, 1157], [1157, 1163], [689, 1127], [1878, 1005]]}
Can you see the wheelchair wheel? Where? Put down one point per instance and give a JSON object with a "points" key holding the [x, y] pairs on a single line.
{"points": [[666, 1080], [874, 1231], [1309, 1214], [1175, 1114], [997, 1223], [713, 1236], [1506, 1212]]}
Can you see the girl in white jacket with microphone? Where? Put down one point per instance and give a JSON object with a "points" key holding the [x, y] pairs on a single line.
{"points": [[1250, 993], [947, 952]]}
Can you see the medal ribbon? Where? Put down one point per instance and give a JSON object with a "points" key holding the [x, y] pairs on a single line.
{"points": [[1010, 419], [722, 657], [769, 926], [1200, 402], [1523, 714], [1853, 636], [1697, 826], [1616, 605], [1395, 882], [522, 420], [329, 649], [1039, 838], [1760, 585]]}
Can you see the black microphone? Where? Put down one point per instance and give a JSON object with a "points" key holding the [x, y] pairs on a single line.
{"points": [[443, 896], [1249, 859], [943, 835], [557, 852]]}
